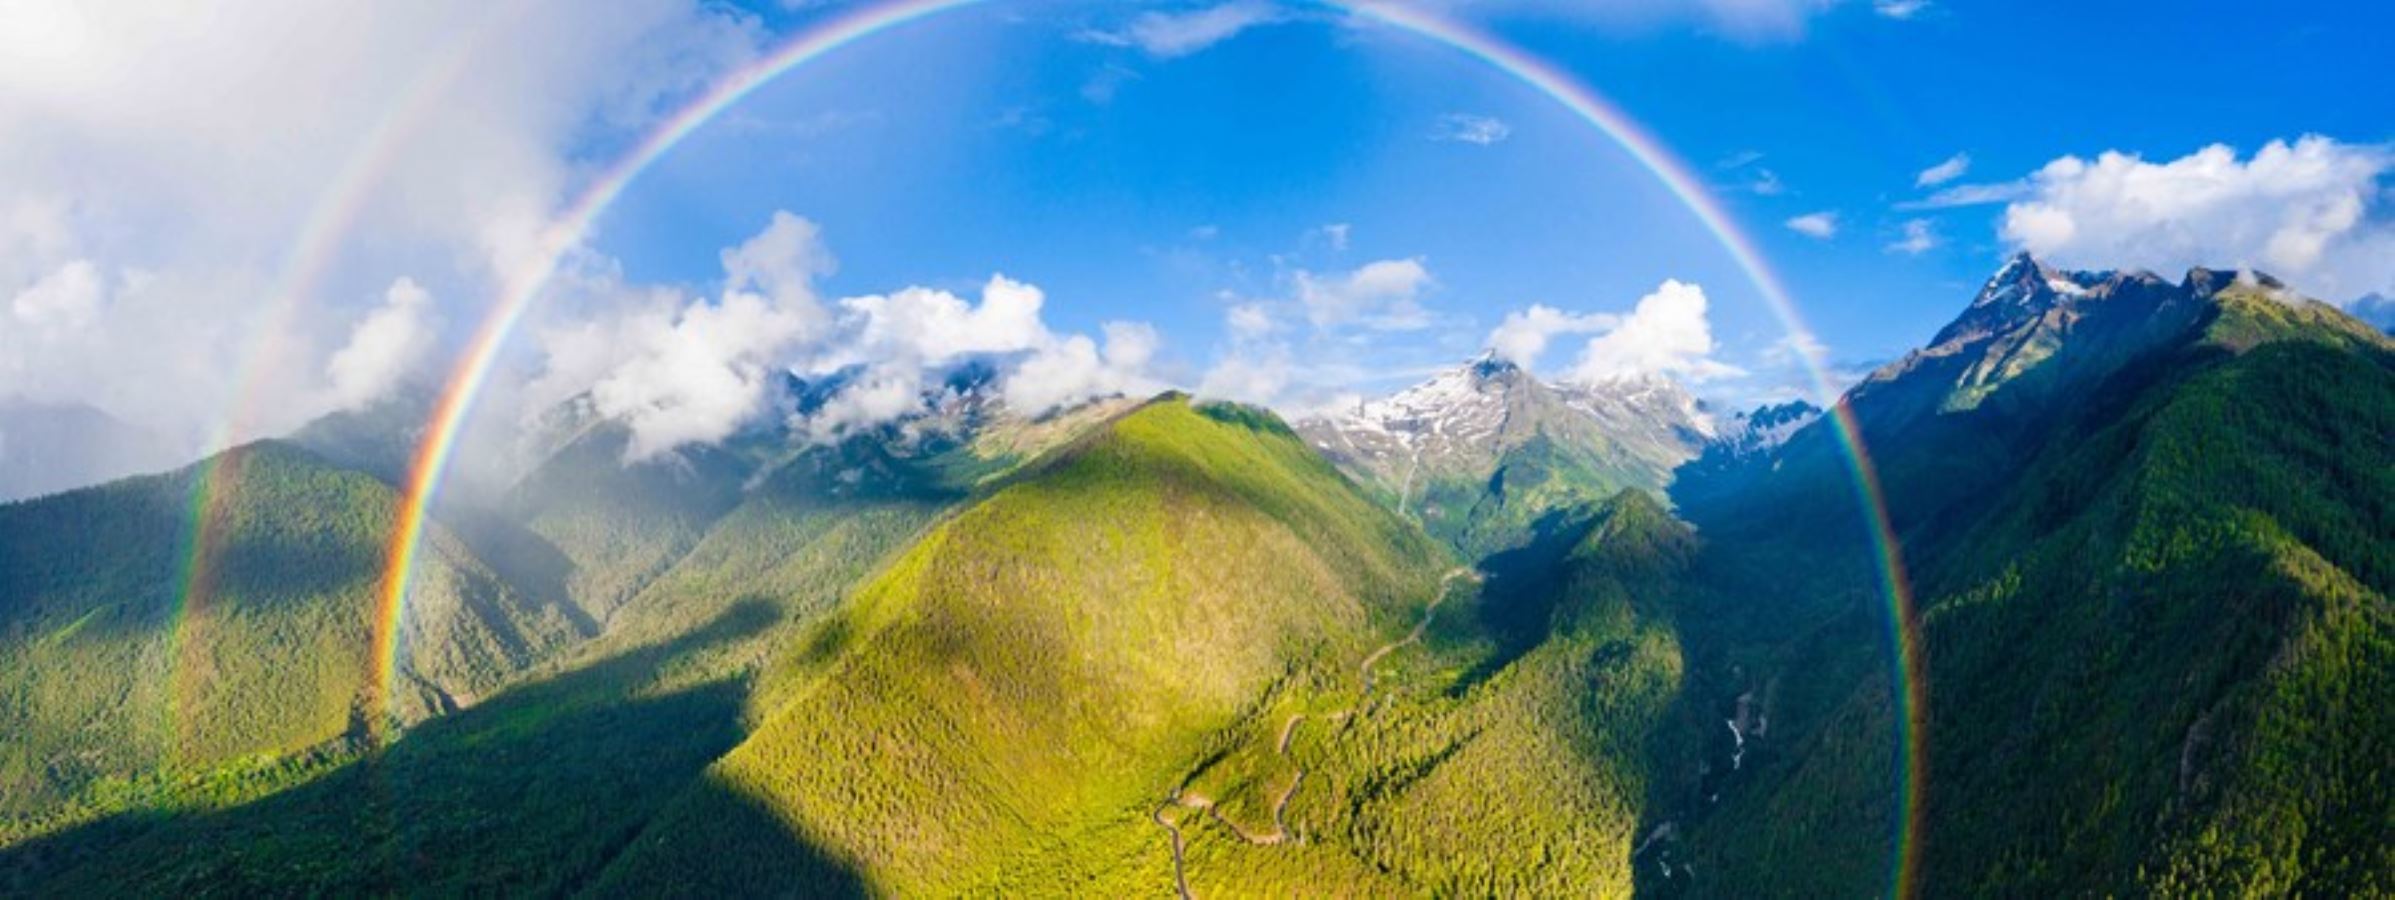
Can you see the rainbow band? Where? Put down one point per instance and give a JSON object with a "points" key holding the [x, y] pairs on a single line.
{"points": [[431, 459], [336, 209]]}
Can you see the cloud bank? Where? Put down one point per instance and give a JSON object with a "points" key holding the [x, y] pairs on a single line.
{"points": [[678, 371], [2313, 212], [175, 176]]}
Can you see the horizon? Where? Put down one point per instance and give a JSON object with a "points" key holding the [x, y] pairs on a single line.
{"points": [[1257, 287]]}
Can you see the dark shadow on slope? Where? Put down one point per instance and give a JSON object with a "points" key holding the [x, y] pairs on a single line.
{"points": [[532, 793], [522, 558], [757, 856], [1520, 590]]}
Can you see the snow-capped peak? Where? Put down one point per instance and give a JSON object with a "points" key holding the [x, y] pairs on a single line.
{"points": [[1765, 427], [1462, 420]]}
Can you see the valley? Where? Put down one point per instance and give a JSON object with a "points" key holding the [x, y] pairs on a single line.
{"points": [[1488, 636]]}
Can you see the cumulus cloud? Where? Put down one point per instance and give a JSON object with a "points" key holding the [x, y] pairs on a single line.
{"points": [[1346, 336], [1822, 225], [2311, 212], [1951, 169], [1384, 295], [1075, 368], [1920, 236], [387, 345], [1524, 335], [1258, 377], [931, 327], [1166, 35], [1667, 333], [326, 150], [695, 374], [678, 372], [1469, 128]]}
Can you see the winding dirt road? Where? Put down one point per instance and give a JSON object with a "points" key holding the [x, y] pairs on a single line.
{"points": [[1280, 828]]}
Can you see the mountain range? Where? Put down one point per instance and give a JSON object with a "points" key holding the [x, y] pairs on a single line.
{"points": [[1489, 635], [47, 448]]}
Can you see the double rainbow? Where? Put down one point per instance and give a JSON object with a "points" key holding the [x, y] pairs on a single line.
{"points": [[526, 283]]}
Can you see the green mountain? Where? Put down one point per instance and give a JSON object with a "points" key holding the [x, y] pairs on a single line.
{"points": [[1003, 705], [1177, 646], [2147, 523], [116, 678], [537, 786], [1486, 455]]}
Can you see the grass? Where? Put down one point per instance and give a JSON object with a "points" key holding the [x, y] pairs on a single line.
{"points": [[1003, 707]]}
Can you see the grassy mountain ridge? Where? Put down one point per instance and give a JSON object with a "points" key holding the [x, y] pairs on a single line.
{"points": [[1004, 704], [1168, 646], [534, 789]]}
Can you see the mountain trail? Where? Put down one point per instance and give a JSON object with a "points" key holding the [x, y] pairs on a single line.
{"points": [[1280, 829]]}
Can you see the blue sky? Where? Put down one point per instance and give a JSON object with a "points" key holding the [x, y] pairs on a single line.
{"points": [[222, 222], [1133, 186]]}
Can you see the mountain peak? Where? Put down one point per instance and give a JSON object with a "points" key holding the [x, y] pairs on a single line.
{"points": [[2203, 281], [1490, 365]]}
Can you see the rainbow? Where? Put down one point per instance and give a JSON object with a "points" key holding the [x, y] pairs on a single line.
{"points": [[526, 284], [336, 209]]}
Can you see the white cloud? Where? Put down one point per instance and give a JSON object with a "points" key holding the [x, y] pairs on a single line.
{"points": [[932, 327], [1166, 35], [1969, 195], [1667, 333], [1899, 9], [1951, 169], [2311, 212], [387, 346], [1261, 378], [696, 373], [1471, 129], [1822, 225], [897, 343], [323, 149], [1524, 335], [877, 395], [62, 300], [1074, 368], [1384, 295], [1920, 236], [1248, 321], [1336, 235]]}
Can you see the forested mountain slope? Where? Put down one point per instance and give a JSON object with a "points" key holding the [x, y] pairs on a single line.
{"points": [[1004, 704], [121, 660], [2153, 602]]}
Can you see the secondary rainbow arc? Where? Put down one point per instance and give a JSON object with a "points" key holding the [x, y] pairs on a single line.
{"points": [[337, 208], [525, 284]]}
